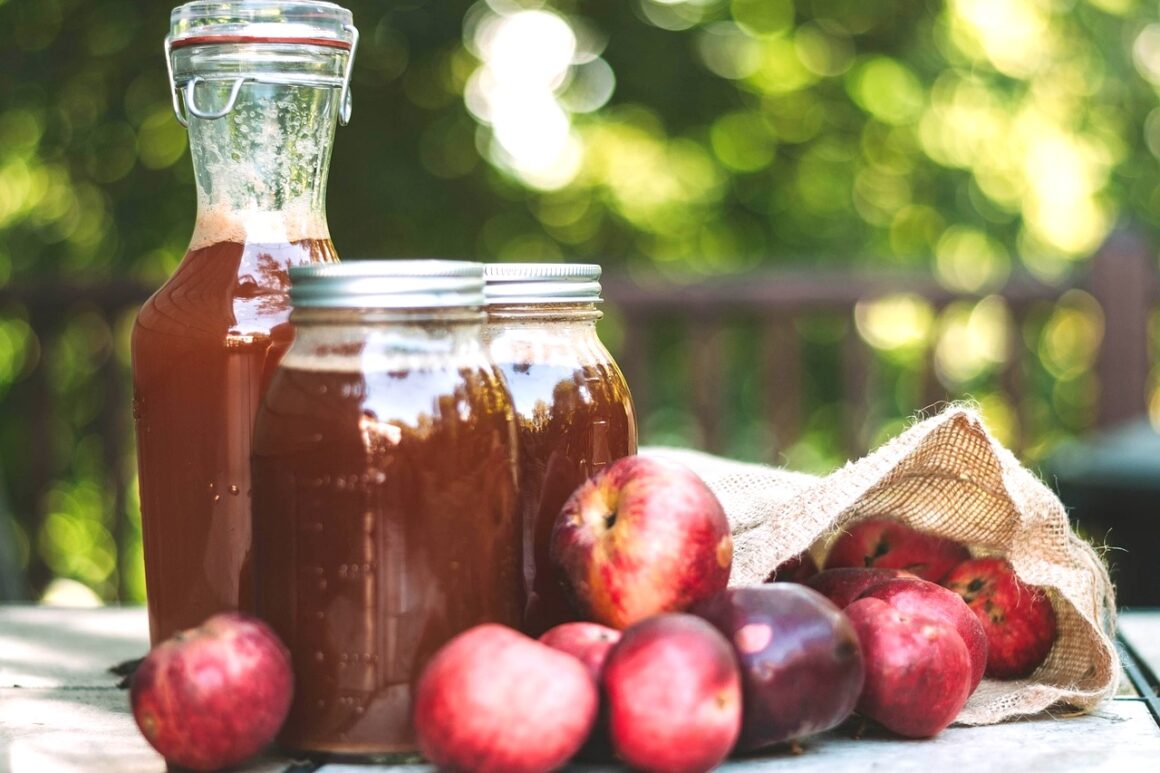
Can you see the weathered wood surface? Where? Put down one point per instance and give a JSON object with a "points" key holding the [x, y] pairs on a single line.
{"points": [[60, 711]]}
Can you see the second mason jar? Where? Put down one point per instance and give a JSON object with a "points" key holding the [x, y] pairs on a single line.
{"points": [[385, 519], [572, 404]]}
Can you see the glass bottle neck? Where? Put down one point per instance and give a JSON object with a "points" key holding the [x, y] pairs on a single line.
{"points": [[261, 169]]}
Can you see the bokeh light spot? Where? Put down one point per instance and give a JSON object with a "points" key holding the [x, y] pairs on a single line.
{"points": [[888, 90], [1013, 35], [728, 51], [780, 70], [590, 87], [1146, 53], [972, 340], [896, 323], [161, 141], [968, 260], [533, 77], [763, 17], [1071, 337], [821, 52], [742, 142], [673, 15]]}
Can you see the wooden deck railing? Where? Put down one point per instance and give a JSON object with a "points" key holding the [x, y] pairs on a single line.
{"points": [[1122, 278]]}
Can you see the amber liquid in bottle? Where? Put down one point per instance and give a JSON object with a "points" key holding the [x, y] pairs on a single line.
{"points": [[573, 422], [204, 347], [386, 509]]}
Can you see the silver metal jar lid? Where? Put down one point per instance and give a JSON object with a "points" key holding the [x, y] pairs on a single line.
{"points": [[259, 22], [387, 284], [542, 283]]}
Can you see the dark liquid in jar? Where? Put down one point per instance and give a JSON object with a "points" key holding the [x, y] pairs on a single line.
{"points": [[386, 524], [204, 346], [573, 422]]}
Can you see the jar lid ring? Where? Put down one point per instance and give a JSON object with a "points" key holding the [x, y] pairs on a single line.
{"points": [[541, 283], [387, 284]]}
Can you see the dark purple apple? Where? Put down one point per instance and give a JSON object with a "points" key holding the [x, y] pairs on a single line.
{"points": [[801, 664]]}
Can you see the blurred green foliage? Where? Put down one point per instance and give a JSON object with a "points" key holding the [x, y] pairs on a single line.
{"points": [[971, 138]]}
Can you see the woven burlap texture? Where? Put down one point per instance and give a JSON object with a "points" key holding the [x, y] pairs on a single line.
{"points": [[947, 475]]}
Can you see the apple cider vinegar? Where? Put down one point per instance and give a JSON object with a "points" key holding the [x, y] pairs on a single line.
{"points": [[573, 409], [385, 515]]}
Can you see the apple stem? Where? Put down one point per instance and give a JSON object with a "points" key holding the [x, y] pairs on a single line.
{"points": [[610, 520]]}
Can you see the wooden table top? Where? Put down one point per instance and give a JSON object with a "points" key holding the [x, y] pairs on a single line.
{"points": [[60, 710]]}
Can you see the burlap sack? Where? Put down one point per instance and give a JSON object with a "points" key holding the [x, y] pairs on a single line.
{"points": [[945, 474]]}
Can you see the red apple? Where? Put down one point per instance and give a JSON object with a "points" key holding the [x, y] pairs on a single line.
{"points": [[797, 569], [216, 695], [888, 544], [643, 536], [801, 665], [918, 597], [845, 584], [589, 643], [494, 700], [918, 672], [674, 695], [1017, 618]]}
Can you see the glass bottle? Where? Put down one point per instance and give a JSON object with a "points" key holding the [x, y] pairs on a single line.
{"points": [[573, 407], [260, 86], [385, 517]]}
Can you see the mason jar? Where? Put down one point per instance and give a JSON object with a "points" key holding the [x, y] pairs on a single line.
{"points": [[385, 517], [573, 408]]}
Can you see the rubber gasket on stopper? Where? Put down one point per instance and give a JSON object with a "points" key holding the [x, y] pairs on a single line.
{"points": [[208, 40]]}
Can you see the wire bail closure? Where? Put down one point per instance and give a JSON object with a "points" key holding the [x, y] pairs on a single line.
{"points": [[187, 87]]}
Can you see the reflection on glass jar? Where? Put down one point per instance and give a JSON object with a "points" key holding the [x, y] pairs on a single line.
{"points": [[384, 493], [572, 404]]}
